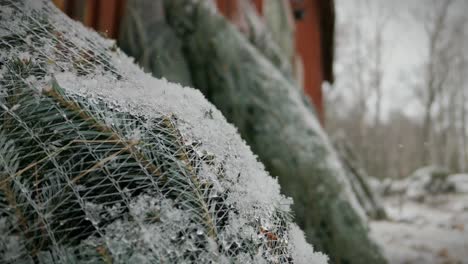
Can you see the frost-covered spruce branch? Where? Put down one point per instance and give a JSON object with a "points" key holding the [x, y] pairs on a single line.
{"points": [[101, 163], [272, 116]]}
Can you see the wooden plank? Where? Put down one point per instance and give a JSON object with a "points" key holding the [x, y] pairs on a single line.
{"points": [[70, 8], [60, 4], [308, 46], [259, 5], [120, 14], [107, 11], [228, 8], [90, 13]]}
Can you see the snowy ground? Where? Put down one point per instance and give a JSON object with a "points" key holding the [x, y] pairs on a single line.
{"points": [[432, 232]]}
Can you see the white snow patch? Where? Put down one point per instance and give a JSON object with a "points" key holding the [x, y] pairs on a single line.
{"points": [[434, 232]]}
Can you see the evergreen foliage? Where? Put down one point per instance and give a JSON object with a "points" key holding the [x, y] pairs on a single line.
{"points": [[160, 42], [280, 126], [85, 179]]}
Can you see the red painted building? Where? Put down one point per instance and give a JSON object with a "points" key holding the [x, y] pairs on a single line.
{"points": [[313, 22]]}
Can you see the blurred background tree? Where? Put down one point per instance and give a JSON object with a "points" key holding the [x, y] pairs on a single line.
{"points": [[401, 113]]}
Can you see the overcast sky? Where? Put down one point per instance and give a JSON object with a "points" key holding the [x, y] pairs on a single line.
{"points": [[405, 43], [404, 48]]}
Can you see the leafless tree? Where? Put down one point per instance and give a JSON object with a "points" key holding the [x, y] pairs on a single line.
{"points": [[360, 48], [398, 145], [434, 24]]}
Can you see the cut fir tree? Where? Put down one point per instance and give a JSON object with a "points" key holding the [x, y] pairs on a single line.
{"points": [[275, 119], [101, 163]]}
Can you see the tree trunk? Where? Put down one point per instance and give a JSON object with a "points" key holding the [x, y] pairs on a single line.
{"points": [[367, 197], [426, 134], [463, 134]]}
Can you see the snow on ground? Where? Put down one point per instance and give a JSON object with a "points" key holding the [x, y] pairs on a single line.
{"points": [[432, 232]]}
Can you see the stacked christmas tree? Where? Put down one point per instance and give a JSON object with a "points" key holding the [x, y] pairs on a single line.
{"points": [[101, 163], [257, 93]]}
